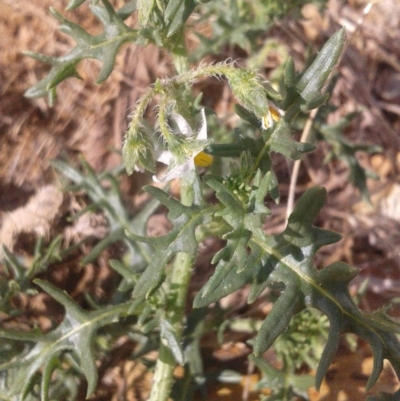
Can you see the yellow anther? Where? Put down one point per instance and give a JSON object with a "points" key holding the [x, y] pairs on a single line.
{"points": [[203, 159], [274, 114]]}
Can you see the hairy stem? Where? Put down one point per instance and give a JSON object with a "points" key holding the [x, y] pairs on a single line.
{"points": [[179, 284]]}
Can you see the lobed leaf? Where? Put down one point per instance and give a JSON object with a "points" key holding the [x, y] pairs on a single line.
{"points": [[346, 151], [103, 47], [109, 201], [75, 334], [177, 13], [282, 142], [180, 239], [285, 384], [288, 258]]}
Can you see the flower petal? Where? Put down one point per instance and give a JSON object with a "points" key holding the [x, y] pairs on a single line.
{"points": [[203, 128], [273, 115], [182, 124], [176, 172], [165, 157], [197, 157]]}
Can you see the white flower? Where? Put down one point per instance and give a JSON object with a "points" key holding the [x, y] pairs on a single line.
{"points": [[198, 157], [273, 115]]}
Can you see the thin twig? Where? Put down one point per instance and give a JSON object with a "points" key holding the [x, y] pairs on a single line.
{"points": [[247, 383], [296, 166]]}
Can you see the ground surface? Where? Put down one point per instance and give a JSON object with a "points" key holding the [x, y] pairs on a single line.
{"points": [[90, 120]]}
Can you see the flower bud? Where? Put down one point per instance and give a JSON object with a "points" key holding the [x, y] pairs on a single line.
{"points": [[137, 152], [248, 88]]}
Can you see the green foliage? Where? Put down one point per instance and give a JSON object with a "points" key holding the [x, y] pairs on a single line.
{"points": [[75, 334], [181, 239], [242, 23], [288, 258], [109, 201], [156, 271], [346, 151], [303, 92], [301, 343], [383, 396], [103, 47], [286, 384]]}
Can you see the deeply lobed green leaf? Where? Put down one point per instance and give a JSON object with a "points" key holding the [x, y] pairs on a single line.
{"points": [[75, 334], [103, 47], [181, 238], [288, 258]]}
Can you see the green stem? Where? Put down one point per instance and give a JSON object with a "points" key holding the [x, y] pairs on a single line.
{"points": [[178, 288], [258, 160], [175, 308]]}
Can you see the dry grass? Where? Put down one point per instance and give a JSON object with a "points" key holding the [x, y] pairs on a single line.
{"points": [[90, 120]]}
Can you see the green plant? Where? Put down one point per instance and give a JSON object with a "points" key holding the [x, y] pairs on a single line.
{"points": [[242, 23], [157, 270]]}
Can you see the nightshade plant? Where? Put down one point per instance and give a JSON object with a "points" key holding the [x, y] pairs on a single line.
{"points": [[157, 270]]}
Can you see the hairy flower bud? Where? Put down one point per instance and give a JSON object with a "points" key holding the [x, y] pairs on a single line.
{"points": [[137, 152], [248, 88]]}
